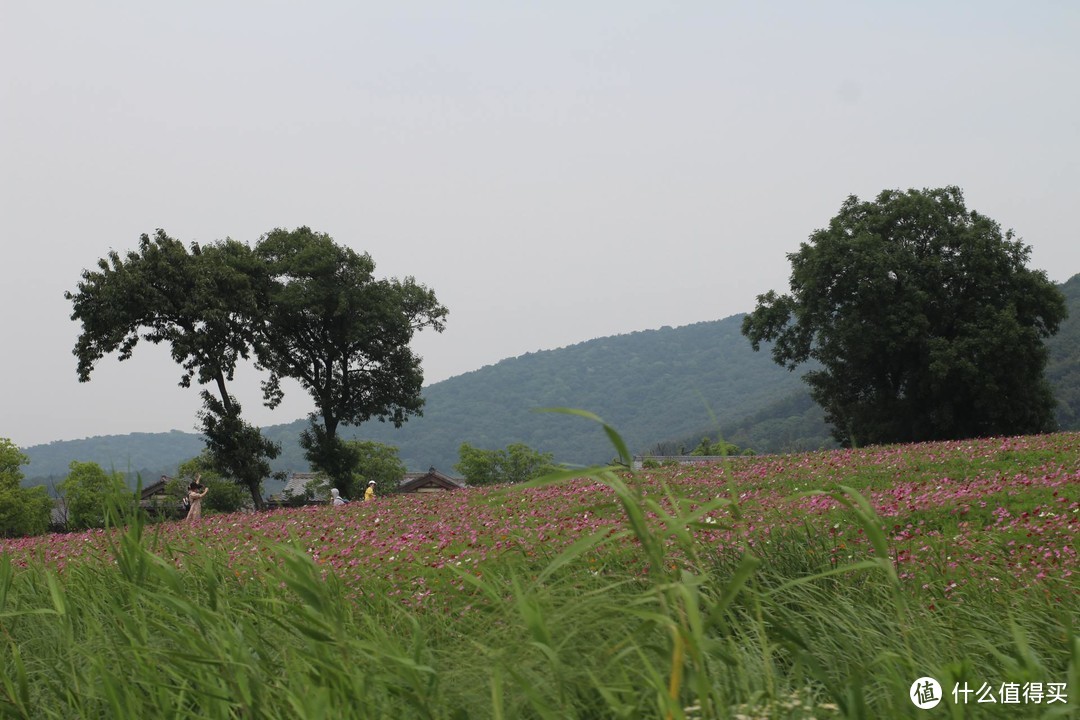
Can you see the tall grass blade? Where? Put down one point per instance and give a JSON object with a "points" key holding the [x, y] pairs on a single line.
{"points": [[624, 456]]}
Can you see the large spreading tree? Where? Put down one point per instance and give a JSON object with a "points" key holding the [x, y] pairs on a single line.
{"points": [[202, 302], [344, 335], [921, 321], [304, 306]]}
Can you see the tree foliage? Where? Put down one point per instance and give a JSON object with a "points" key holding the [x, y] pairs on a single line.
{"points": [[516, 463], [344, 335], [91, 494], [715, 448], [360, 462], [203, 303], [225, 495], [378, 462], [23, 511], [304, 306], [924, 320]]}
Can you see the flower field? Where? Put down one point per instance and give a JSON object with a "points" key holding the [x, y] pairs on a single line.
{"points": [[963, 537], [949, 509]]}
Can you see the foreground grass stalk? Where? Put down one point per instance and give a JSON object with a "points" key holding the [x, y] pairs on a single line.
{"points": [[675, 685]]}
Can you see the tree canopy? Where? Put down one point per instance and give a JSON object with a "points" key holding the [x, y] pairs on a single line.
{"points": [[517, 463], [91, 494], [344, 335], [921, 318], [204, 303], [225, 496], [23, 511], [378, 462], [304, 306]]}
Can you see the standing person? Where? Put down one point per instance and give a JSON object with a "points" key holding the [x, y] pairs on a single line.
{"points": [[196, 492], [369, 494], [335, 497]]}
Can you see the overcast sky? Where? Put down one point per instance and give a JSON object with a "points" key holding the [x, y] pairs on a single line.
{"points": [[554, 171]]}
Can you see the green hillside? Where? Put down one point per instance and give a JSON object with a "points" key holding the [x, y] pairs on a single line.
{"points": [[668, 386], [1063, 370], [652, 385], [649, 384], [147, 454]]}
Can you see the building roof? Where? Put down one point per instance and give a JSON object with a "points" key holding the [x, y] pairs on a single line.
{"points": [[429, 481], [155, 488], [297, 482]]}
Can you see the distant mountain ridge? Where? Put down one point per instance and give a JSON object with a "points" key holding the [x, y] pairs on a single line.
{"points": [[651, 385], [669, 385]]}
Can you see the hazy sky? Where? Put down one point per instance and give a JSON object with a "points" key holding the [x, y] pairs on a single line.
{"points": [[554, 171]]}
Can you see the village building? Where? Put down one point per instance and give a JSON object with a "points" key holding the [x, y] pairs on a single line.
{"points": [[430, 481], [302, 488], [156, 500]]}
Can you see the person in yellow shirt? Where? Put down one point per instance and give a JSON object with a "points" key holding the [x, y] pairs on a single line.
{"points": [[369, 494]]}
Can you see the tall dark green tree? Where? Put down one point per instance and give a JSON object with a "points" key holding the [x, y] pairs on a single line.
{"points": [[922, 321], [344, 335], [204, 303]]}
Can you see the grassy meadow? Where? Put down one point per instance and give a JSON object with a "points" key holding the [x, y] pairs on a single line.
{"points": [[800, 586]]}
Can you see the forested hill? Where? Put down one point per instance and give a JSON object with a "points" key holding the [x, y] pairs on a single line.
{"points": [[1063, 370], [651, 385], [671, 384]]}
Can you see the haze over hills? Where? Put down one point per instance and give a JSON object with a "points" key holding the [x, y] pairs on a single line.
{"points": [[669, 385]]}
